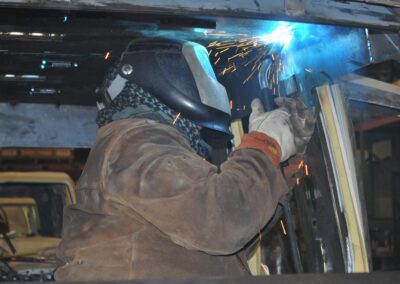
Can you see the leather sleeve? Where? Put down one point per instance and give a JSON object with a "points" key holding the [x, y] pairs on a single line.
{"points": [[264, 143], [191, 201]]}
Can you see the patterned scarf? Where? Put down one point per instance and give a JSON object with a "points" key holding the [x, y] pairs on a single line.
{"points": [[134, 102]]}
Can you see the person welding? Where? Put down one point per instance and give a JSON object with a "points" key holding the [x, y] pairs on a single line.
{"points": [[149, 205]]}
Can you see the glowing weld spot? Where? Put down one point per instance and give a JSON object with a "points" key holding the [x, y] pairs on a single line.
{"points": [[283, 35]]}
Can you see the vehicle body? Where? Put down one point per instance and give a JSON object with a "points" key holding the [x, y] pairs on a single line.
{"points": [[32, 249]]}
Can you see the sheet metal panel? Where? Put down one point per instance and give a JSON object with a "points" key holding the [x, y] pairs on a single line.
{"points": [[385, 46]]}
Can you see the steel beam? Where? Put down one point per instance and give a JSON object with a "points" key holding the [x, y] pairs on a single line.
{"points": [[389, 3], [326, 278], [368, 90], [337, 12], [36, 125]]}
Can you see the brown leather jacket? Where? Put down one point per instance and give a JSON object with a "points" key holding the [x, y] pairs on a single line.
{"points": [[149, 207]]}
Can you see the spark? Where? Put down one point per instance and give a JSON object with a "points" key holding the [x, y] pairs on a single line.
{"points": [[301, 164], [226, 49], [231, 104], [231, 68], [216, 62], [253, 51], [297, 181], [306, 169], [250, 76], [176, 118], [283, 228], [265, 268], [107, 55]]}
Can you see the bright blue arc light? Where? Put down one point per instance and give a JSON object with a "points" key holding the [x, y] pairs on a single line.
{"points": [[282, 35]]}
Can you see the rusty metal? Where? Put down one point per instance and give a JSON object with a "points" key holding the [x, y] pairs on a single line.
{"points": [[352, 13]]}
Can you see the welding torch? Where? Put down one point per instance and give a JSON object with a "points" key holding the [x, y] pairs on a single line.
{"points": [[291, 90]]}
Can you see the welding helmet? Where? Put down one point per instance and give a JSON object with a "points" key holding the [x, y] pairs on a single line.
{"points": [[180, 75]]}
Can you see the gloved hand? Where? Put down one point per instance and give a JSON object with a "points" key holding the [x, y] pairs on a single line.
{"points": [[303, 121], [291, 125]]}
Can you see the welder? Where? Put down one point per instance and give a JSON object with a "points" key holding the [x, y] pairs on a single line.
{"points": [[149, 205]]}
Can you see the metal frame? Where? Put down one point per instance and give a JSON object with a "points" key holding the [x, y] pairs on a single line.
{"points": [[350, 13], [371, 91], [42, 177], [335, 122], [326, 278]]}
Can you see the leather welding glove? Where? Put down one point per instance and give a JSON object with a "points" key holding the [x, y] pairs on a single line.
{"points": [[275, 124], [302, 121], [286, 125]]}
